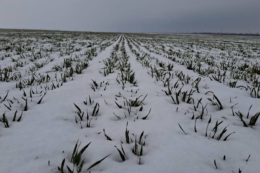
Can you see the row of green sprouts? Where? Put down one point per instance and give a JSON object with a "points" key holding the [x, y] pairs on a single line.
{"points": [[12, 104]]}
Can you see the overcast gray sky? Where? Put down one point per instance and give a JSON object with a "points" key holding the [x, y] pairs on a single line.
{"points": [[132, 15]]}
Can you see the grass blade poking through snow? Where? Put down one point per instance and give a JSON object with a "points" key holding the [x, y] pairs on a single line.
{"points": [[76, 155], [218, 103], [95, 110], [248, 158], [119, 106], [61, 168], [108, 138], [254, 119], [121, 153], [26, 104], [207, 127], [127, 138], [144, 118], [39, 102], [19, 119], [77, 108], [228, 136], [5, 97], [215, 163], [14, 118], [182, 129], [98, 162], [5, 121]]}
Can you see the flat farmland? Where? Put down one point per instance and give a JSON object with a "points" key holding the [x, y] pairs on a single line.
{"points": [[76, 102]]}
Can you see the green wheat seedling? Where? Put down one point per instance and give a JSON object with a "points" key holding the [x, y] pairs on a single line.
{"points": [[91, 101], [136, 150], [88, 121], [128, 140], [4, 120], [232, 84], [182, 77], [81, 66], [19, 119], [5, 97], [196, 84], [80, 113], [131, 103], [208, 127], [195, 125], [97, 162], [159, 74], [248, 158], [215, 163], [121, 153], [217, 102], [57, 68], [118, 117], [8, 104], [107, 137], [252, 120], [219, 77], [215, 130], [79, 110], [202, 111], [77, 161], [186, 97], [176, 100], [182, 129], [190, 65], [132, 79], [139, 145], [8, 107], [76, 157], [169, 91], [176, 85], [142, 138], [255, 92], [145, 117], [95, 110], [6, 74], [39, 102], [132, 106], [26, 104], [110, 64], [137, 102], [95, 86], [119, 106], [170, 67]]}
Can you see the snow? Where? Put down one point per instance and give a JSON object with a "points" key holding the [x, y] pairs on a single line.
{"points": [[47, 132]]}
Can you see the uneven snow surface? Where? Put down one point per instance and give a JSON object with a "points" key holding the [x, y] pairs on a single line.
{"points": [[150, 103]]}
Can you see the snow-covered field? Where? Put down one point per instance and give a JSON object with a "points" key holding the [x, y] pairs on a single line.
{"points": [[132, 103]]}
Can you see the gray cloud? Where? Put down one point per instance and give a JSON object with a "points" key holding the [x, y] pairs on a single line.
{"points": [[132, 15]]}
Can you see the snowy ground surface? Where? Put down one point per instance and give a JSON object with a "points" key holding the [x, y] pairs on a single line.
{"points": [[150, 103]]}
